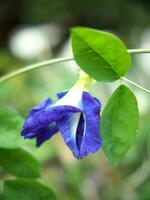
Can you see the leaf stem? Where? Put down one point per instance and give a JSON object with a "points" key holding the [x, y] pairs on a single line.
{"points": [[135, 84], [138, 51], [34, 66], [54, 61]]}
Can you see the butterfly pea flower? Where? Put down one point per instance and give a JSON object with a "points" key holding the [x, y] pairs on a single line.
{"points": [[76, 115]]}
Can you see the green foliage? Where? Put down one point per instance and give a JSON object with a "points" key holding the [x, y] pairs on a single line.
{"points": [[101, 55], [19, 163], [148, 146], [1, 191], [119, 124], [10, 127], [27, 190]]}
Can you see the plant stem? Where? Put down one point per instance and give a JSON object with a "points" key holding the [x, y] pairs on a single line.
{"points": [[135, 84], [54, 61], [138, 51], [32, 67]]}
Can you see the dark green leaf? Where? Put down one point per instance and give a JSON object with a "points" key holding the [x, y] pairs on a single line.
{"points": [[148, 146], [22, 189], [2, 196], [119, 123], [19, 163], [1, 191], [10, 127], [100, 54]]}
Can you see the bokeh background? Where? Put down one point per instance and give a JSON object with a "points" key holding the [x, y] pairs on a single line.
{"points": [[36, 30]]}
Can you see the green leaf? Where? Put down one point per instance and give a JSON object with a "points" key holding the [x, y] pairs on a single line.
{"points": [[1, 191], [119, 124], [2, 196], [10, 128], [100, 54], [22, 189], [19, 163], [148, 146]]}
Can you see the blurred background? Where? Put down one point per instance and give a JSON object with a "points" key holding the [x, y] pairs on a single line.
{"points": [[36, 30]]}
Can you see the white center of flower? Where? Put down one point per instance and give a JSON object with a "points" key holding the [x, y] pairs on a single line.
{"points": [[72, 98]]}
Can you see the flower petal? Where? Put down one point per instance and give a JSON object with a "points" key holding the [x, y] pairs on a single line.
{"points": [[80, 131], [39, 124], [46, 133], [68, 128], [30, 126], [41, 106], [91, 140], [61, 94]]}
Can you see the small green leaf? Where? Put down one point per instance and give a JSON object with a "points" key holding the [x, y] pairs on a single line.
{"points": [[119, 124], [10, 128], [22, 189], [19, 163], [100, 54]]}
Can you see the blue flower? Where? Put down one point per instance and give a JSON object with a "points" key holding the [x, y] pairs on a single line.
{"points": [[76, 115]]}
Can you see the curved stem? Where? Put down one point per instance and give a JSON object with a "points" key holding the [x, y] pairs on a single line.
{"points": [[54, 61], [137, 51], [135, 84], [32, 67]]}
